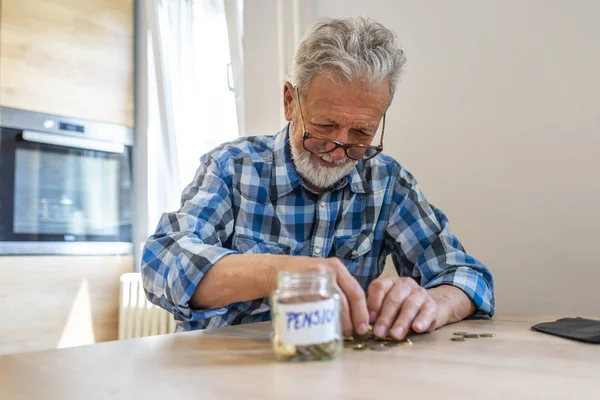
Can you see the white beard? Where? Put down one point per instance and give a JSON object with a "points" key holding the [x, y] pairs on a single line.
{"points": [[319, 175]]}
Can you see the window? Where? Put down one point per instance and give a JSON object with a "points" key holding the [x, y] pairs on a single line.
{"points": [[214, 117]]}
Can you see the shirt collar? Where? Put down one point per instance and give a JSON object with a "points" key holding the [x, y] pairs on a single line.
{"points": [[360, 178], [284, 177]]}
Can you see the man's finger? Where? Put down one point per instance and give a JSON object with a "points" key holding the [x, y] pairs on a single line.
{"points": [[355, 296], [347, 328], [377, 291], [392, 303], [426, 317], [410, 308]]}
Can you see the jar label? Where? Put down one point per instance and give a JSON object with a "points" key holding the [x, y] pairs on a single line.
{"points": [[307, 323]]}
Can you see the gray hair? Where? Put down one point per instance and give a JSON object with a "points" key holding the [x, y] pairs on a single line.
{"points": [[350, 48]]}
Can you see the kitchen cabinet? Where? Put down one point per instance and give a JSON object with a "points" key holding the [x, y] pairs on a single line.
{"points": [[71, 58]]}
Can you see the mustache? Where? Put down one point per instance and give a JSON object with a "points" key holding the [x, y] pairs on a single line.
{"points": [[326, 157]]}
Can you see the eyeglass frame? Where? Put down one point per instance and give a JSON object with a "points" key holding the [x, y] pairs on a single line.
{"points": [[338, 144]]}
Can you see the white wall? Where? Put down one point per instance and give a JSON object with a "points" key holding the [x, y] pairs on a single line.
{"points": [[498, 116], [264, 78], [261, 85]]}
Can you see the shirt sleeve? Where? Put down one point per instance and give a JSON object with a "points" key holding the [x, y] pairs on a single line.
{"points": [[424, 248], [187, 243]]}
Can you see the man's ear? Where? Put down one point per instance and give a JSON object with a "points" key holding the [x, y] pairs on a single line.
{"points": [[289, 100]]}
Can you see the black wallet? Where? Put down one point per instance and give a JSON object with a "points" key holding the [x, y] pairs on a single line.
{"points": [[582, 329]]}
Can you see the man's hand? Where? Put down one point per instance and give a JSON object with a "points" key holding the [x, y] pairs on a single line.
{"points": [[397, 304], [354, 304]]}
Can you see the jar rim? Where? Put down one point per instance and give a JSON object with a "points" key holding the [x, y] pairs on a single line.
{"points": [[316, 274]]}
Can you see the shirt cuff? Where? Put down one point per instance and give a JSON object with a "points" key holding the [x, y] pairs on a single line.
{"points": [[473, 284], [181, 294]]}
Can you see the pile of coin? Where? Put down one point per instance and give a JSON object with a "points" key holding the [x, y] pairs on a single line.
{"points": [[463, 336], [369, 341]]}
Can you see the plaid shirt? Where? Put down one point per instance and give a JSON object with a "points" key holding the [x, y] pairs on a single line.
{"points": [[246, 197]]}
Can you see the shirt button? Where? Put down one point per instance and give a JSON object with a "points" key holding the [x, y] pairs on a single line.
{"points": [[322, 204], [354, 252], [317, 251]]}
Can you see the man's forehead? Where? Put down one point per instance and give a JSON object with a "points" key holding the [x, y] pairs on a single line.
{"points": [[329, 119], [323, 91]]}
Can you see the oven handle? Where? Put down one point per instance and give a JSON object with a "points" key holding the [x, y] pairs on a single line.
{"points": [[69, 141]]}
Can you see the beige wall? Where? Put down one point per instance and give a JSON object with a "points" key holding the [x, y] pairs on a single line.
{"points": [[498, 116]]}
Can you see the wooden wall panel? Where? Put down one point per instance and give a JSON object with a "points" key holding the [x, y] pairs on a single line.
{"points": [[59, 301], [68, 57]]}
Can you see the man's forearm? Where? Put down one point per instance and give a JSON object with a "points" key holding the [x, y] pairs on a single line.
{"points": [[235, 278], [245, 277], [455, 303]]}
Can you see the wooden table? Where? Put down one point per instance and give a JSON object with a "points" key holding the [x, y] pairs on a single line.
{"points": [[237, 362]]}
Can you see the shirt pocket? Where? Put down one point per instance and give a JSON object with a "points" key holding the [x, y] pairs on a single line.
{"points": [[349, 249], [251, 245]]}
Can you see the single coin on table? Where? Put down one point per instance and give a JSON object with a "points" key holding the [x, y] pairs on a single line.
{"points": [[472, 336], [380, 347], [458, 339], [403, 342]]}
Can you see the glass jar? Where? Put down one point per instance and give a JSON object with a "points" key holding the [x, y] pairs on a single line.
{"points": [[306, 317]]}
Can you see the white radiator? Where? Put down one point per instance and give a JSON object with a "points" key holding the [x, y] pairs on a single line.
{"points": [[137, 316]]}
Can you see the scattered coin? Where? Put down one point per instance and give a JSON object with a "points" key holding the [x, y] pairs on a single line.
{"points": [[368, 340], [472, 336], [364, 338], [380, 347], [403, 342], [458, 339], [461, 333], [354, 345], [488, 335]]}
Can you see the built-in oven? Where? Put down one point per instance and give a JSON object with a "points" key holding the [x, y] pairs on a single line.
{"points": [[65, 185]]}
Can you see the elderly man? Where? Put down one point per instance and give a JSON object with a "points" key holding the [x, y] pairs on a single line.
{"points": [[319, 194]]}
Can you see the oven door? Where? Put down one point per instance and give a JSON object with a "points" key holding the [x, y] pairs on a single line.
{"points": [[63, 195]]}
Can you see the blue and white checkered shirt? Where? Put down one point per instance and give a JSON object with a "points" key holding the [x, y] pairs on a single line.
{"points": [[246, 197]]}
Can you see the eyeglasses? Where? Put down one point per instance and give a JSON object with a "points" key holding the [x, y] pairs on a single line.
{"points": [[321, 145]]}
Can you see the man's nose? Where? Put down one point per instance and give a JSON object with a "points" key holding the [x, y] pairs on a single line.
{"points": [[338, 154]]}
